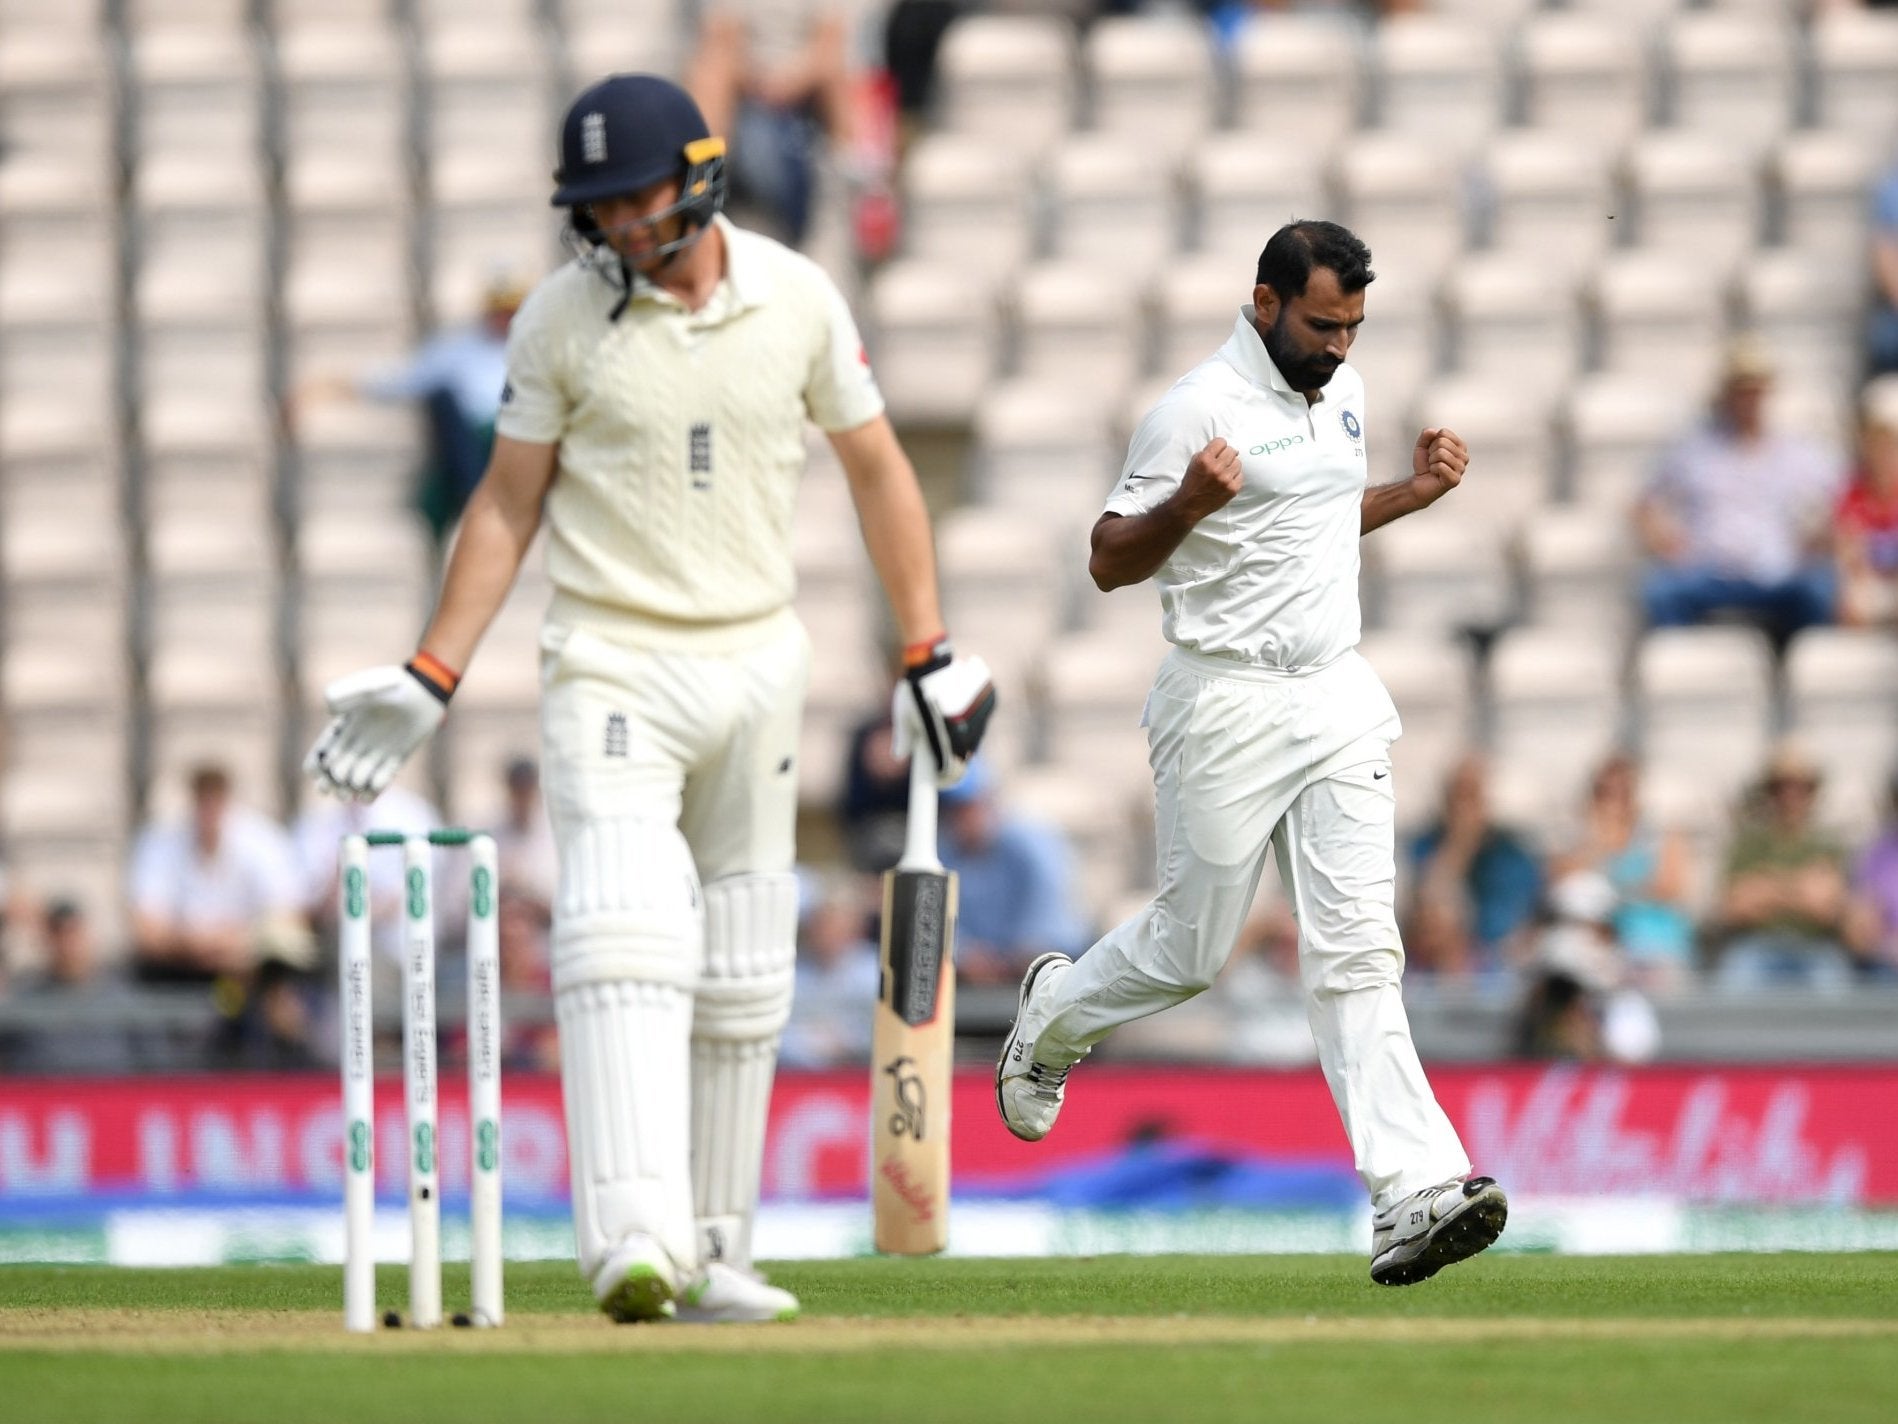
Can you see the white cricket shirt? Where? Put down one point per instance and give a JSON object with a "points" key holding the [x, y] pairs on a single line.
{"points": [[1272, 578], [681, 439]]}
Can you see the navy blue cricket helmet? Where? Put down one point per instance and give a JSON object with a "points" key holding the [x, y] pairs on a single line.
{"points": [[632, 130]]}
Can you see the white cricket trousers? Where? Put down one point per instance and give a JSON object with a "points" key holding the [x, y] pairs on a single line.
{"points": [[1245, 758]]}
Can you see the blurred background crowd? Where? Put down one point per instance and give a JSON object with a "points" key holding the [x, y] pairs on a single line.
{"points": [[257, 263]]}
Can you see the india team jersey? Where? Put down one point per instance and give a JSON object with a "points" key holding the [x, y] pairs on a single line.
{"points": [[1271, 578], [681, 436]]}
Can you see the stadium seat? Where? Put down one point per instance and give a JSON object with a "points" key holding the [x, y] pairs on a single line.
{"points": [[934, 340], [1509, 429], [1855, 70], [1842, 705], [1613, 429], [196, 92], [1704, 702], [1731, 76], [1662, 316], [1438, 78], [56, 215], [486, 91], [1088, 693], [1808, 310], [1005, 588], [1440, 576], [1075, 324], [1042, 449], [56, 96], [967, 202], [1582, 74], [1551, 199], [1512, 320], [57, 337], [354, 455], [1009, 78], [1298, 78], [1401, 194], [343, 90], [1578, 568], [1244, 190], [1395, 350], [1432, 681], [1110, 206], [485, 217], [1196, 302], [1696, 194], [1555, 710], [1820, 178], [1151, 81]]}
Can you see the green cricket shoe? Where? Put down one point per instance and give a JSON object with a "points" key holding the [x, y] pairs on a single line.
{"points": [[727, 1295], [636, 1283]]}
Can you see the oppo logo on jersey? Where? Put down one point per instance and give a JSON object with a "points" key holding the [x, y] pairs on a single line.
{"points": [[1273, 446]]}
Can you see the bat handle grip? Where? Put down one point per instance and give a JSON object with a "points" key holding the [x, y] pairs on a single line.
{"points": [[919, 840]]}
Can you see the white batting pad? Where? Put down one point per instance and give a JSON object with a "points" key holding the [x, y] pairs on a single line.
{"points": [[628, 906], [743, 1000], [622, 1055]]}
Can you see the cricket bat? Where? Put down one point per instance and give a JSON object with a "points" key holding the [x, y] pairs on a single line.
{"points": [[914, 1037]]}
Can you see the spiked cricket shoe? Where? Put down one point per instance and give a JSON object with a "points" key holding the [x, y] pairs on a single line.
{"points": [[1417, 1237], [636, 1283], [1028, 1094], [724, 1295]]}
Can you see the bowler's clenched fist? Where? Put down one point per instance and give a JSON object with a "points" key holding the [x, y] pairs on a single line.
{"points": [[1212, 478], [1437, 462]]}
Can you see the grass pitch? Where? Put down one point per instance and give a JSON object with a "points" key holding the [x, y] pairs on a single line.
{"points": [[1540, 1338]]}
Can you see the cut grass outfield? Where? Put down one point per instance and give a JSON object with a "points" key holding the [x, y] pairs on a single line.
{"points": [[1506, 1337]]}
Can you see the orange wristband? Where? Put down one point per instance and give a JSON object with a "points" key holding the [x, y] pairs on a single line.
{"points": [[435, 674], [916, 654]]}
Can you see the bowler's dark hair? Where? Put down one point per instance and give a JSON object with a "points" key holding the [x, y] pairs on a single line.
{"points": [[1298, 248]]}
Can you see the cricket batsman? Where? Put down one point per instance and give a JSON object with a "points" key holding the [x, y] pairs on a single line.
{"points": [[657, 389]]}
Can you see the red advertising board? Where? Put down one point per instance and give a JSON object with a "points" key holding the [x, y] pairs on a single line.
{"points": [[1748, 1134]]}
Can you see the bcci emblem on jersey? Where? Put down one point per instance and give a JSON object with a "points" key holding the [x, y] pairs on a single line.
{"points": [[1349, 420]]}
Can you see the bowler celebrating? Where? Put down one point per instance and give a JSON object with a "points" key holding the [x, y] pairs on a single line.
{"points": [[1243, 496], [658, 386]]}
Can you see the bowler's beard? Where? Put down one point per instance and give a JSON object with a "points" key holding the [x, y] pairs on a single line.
{"points": [[1301, 372]]}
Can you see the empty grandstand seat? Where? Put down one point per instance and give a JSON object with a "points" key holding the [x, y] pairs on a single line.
{"points": [[1697, 194], [1042, 448], [1508, 429], [1437, 575], [1432, 681], [1005, 589], [1074, 324], [1855, 70], [1555, 709], [1298, 78], [1821, 178], [1513, 320], [1244, 189], [56, 95], [57, 337], [624, 36], [967, 201], [487, 90], [1808, 310], [1394, 351], [344, 89], [934, 340], [1614, 428], [1110, 206], [196, 92], [1196, 302], [355, 455], [1011, 78], [1401, 194], [1703, 699], [1583, 74], [58, 215], [485, 216], [1731, 75], [1550, 198], [1578, 568], [1842, 705], [1660, 315], [1438, 77], [1088, 692], [1151, 80]]}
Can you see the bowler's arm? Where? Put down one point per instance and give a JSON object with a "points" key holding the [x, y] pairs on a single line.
{"points": [[895, 524], [497, 528], [1437, 463]]}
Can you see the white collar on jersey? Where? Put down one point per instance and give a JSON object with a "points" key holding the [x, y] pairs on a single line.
{"points": [[745, 284], [1245, 349]]}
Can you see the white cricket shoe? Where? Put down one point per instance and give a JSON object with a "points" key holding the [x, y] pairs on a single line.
{"points": [[637, 1282], [1028, 1094], [1417, 1237], [724, 1295]]}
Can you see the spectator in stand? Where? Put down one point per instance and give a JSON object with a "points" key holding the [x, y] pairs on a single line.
{"points": [[1580, 1002], [1874, 912], [1866, 526], [456, 376], [1736, 518], [87, 1008], [1883, 333], [1475, 884], [1017, 883], [1650, 870], [875, 802], [1782, 915], [775, 78], [837, 973]]}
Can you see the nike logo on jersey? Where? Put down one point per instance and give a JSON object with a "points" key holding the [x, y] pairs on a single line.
{"points": [[1379, 775]]}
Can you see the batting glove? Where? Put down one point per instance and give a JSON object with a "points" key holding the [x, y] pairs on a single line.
{"points": [[377, 718], [944, 702]]}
